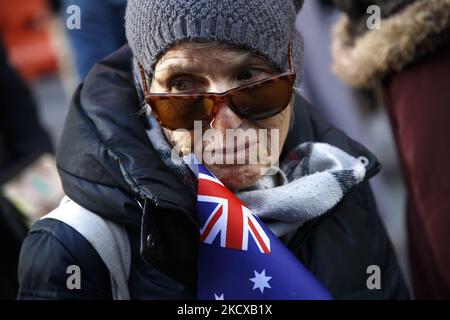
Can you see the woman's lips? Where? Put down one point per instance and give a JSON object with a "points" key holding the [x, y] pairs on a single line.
{"points": [[237, 149], [230, 156]]}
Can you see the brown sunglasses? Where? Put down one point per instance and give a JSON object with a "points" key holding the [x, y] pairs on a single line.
{"points": [[260, 100]]}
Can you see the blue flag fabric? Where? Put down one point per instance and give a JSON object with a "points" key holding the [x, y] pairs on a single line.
{"points": [[239, 257]]}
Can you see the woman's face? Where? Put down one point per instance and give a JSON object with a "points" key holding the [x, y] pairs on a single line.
{"points": [[213, 67]]}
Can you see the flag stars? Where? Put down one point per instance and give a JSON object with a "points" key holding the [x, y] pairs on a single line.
{"points": [[217, 297], [261, 281]]}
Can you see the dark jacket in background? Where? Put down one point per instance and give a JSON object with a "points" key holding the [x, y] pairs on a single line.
{"points": [[108, 165], [22, 140], [409, 59]]}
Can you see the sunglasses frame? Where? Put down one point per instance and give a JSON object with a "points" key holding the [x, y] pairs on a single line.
{"points": [[219, 98]]}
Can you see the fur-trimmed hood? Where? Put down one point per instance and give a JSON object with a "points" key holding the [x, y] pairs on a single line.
{"points": [[362, 61]]}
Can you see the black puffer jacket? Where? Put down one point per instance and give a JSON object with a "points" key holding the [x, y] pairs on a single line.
{"points": [[22, 137], [108, 166]]}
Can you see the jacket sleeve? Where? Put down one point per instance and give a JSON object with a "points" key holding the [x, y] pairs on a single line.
{"points": [[418, 100], [393, 282], [340, 249], [57, 263]]}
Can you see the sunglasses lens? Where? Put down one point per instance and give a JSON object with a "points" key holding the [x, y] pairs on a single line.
{"points": [[263, 101], [256, 102], [181, 113]]}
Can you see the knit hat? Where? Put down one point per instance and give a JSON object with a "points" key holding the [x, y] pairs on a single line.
{"points": [[261, 26]]}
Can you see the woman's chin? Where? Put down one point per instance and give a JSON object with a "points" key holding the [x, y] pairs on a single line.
{"points": [[237, 177]]}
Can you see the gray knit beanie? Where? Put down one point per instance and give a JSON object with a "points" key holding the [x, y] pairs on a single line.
{"points": [[262, 26]]}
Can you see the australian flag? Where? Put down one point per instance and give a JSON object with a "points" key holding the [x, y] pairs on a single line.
{"points": [[239, 257]]}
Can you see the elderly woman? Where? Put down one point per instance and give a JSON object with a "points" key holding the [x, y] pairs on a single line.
{"points": [[199, 65]]}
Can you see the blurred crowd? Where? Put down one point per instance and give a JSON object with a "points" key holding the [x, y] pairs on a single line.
{"points": [[390, 95]]}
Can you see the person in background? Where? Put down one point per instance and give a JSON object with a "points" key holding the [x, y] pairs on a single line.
{"points": [[102, 31], [22, 140], [408, 58], [356, 110]]}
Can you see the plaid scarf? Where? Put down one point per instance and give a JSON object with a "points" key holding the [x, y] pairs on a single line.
{"points": [[316, 177]]}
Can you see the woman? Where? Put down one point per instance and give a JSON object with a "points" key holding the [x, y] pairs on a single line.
{"points": [[411, 67], [123, 167]]}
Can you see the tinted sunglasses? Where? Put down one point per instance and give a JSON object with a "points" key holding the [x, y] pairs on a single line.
{"points": [[259, 100]]}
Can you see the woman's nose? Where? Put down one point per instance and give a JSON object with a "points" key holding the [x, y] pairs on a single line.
{"points": [[226, 118]]}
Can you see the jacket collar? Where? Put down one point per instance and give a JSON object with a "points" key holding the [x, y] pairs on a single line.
{"points": [[417, 30]]}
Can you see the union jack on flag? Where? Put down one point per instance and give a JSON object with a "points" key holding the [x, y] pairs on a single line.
{"points": [[239, 257], [230, 220]]}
